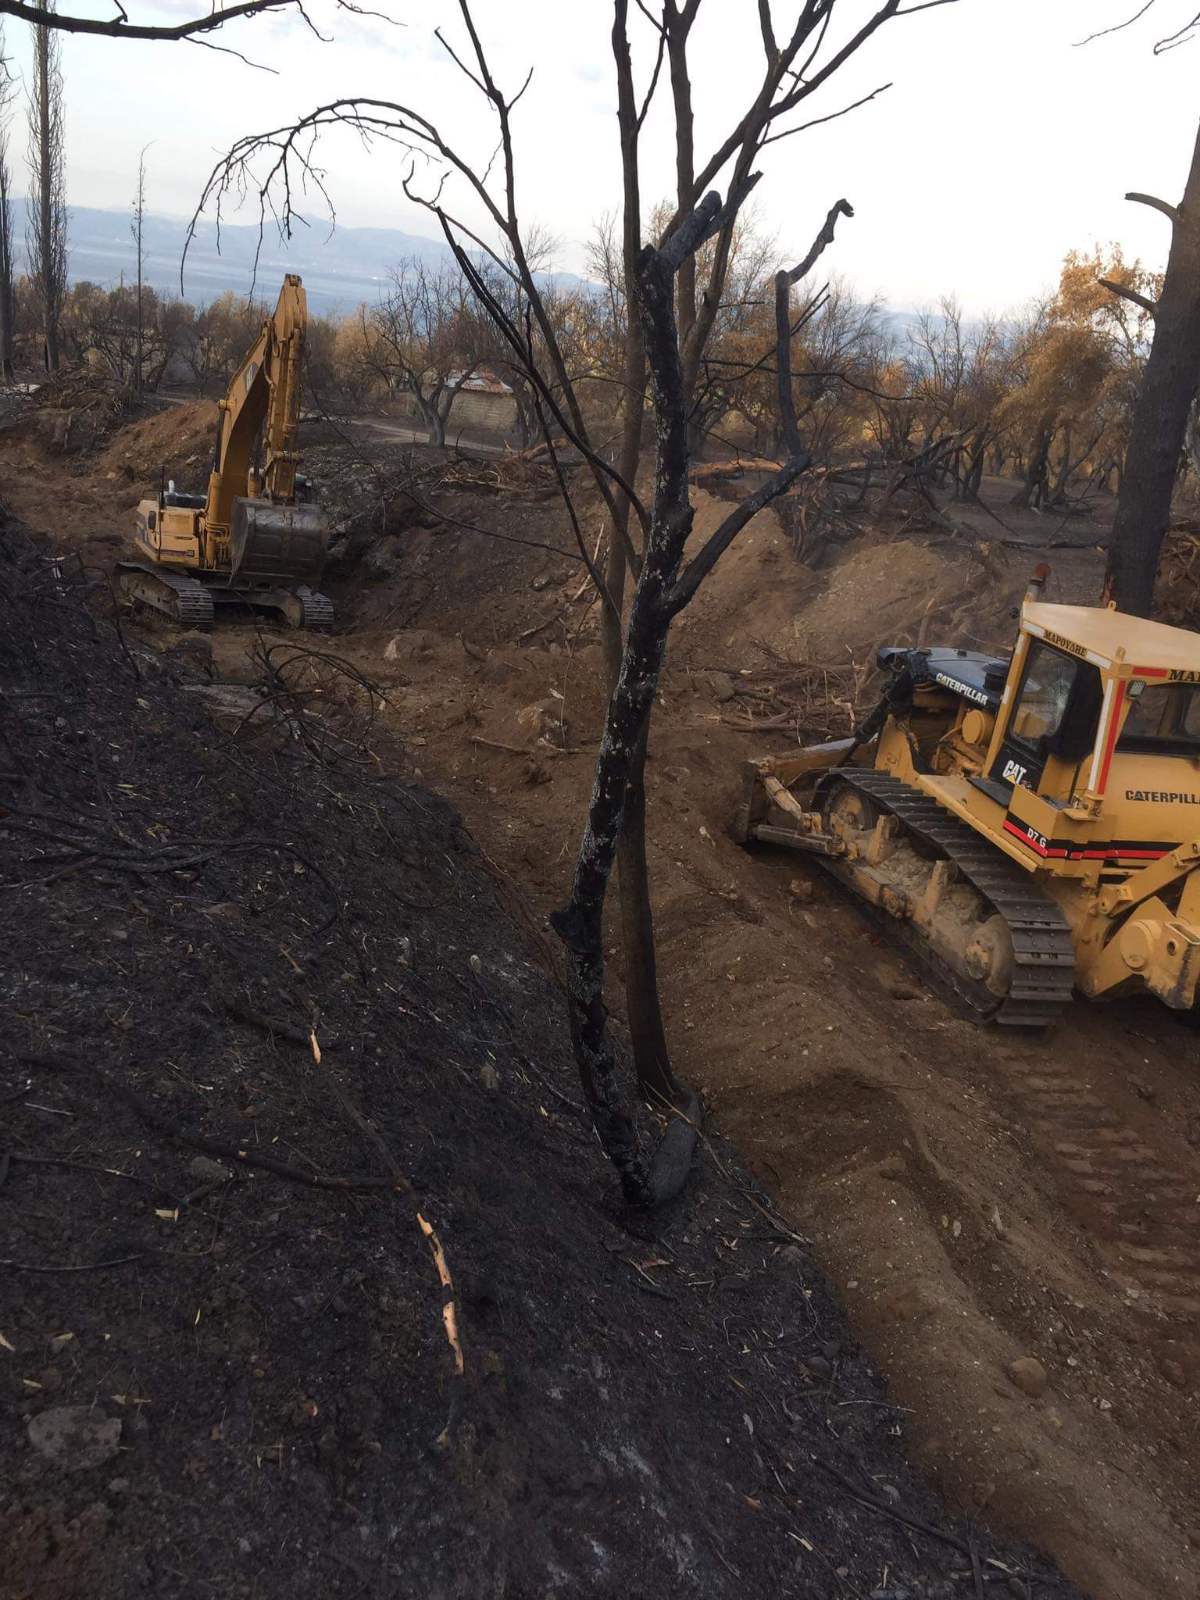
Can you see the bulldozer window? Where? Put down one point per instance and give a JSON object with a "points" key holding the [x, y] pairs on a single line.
{"points": [[1165, 716], [1059, 704]]}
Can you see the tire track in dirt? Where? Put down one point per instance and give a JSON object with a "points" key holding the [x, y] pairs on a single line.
{"points": [[1134, 1196]]}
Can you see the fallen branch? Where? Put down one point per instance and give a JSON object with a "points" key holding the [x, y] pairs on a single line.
{"points": [[402, 1186], [270, 1025]]}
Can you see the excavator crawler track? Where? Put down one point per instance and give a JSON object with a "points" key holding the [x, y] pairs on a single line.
{"points": [[185, 600], [1044, 958]]}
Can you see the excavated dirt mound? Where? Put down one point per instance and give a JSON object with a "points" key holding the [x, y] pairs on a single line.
{"points": [[177, 441], [267, 1013]]}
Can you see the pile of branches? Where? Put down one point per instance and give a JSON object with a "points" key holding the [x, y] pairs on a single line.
{"points": [[809, 701], [528, 473], [76, 410], [318, 699], [816, 516], [1177, 592], [822, 509]]}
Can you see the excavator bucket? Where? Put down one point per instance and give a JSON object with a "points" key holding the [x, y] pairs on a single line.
{"points": [[272, 543]]}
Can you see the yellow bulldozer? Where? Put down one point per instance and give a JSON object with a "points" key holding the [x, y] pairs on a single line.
{"points": [[1026, 825], [256, 540]]}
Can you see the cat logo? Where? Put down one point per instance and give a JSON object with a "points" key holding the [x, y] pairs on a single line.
{"points": [[1014, 772]]}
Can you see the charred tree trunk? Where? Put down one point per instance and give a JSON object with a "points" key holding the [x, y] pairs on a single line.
{"points": [[661, 593], [8, 274], [789, 432], [643, 1006], [47, 234], [1035, 474], [1160, 417], [972, 478], [431, 413]]}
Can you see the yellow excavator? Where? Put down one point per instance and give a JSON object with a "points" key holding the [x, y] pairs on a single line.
{"points": [[256, 539], [1026, 825]]}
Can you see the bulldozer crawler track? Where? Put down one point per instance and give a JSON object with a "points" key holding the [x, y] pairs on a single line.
{"points": [[1043, 953]]}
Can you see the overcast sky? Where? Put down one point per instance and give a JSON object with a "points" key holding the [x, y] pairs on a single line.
{"points": [[999, 146]]}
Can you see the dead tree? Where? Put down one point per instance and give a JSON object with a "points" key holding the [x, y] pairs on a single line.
{"points": [[135, 228], [46, 230], [8, 271], [784, 332], [662, 591], [421, 338], [1160, 417]]}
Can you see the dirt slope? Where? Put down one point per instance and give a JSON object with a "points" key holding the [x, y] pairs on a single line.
{"points": [[224, 1368], [977, 1200]]}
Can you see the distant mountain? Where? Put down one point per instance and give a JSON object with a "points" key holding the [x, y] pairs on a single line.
{"points": [[340, 269]]}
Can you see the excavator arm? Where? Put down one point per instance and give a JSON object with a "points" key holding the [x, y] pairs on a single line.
{"points": [[264, 393]]}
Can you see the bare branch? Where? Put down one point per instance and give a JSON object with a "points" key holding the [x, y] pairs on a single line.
{"points": [[789, 428], [707, 220], [1117, 26], [1165, 206], [1127, 293], [119, 27], [227, 50], [1180, 36], [654, 76], [655, 22], [766, 28], [702, 564], [841, 208], [816, 122]]}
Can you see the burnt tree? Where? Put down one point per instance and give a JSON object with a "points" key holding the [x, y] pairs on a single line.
{"points": [[8, 270], [277, 167], [46, 233], [1160, 418], [662, 591]]}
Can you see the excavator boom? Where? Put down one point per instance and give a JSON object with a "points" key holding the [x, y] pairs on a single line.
{"points": [[263, 396]]}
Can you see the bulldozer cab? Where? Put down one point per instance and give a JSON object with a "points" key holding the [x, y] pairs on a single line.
{"points": [[1051, 722], [1099, 719]]}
